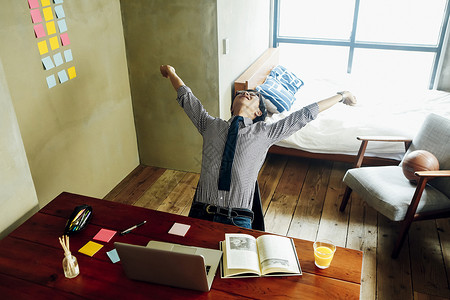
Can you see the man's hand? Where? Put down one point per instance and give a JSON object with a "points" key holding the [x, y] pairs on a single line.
{"points": [[349, 98], [169, 72]]}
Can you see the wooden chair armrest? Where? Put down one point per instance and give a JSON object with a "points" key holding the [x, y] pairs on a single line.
{"points": [[438, 173], [384, 138], [365, 140]]}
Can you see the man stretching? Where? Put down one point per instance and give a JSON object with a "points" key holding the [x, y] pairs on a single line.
{"points": [[230, 166]]}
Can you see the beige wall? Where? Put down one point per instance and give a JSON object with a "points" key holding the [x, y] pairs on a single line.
{"points": [[17, 195], [188, 35], [78, 136]]}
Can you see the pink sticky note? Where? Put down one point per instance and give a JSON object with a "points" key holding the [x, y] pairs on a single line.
{"points": [[33, 3], [179, 229], [104, 235], [39, 30], [65, 39], [36, 16]]}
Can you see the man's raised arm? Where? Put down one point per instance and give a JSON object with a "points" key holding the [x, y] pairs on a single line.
{"points": [[169, 72]]}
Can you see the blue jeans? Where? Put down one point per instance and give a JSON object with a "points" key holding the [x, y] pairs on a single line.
{"points": [[241, 221]]}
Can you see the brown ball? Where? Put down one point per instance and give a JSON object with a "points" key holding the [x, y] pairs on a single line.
{"points": [[419, 160]]}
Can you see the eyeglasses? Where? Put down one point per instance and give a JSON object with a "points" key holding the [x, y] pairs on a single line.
{"points": [[251, 93]]}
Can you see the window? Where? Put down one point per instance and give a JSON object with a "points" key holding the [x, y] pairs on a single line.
{"points": [[385, 38]]}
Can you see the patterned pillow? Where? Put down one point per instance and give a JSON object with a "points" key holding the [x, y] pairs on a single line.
{"points": [[287, 78], [273, 90]]}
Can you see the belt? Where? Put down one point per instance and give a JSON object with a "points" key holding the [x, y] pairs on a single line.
{"points": [[224, 211]]}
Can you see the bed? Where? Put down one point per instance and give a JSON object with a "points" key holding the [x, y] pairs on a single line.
{"points": [[333, 135]]}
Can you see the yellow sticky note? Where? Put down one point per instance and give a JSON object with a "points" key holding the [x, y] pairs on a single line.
{"points": [[48, 14], [51, 28], [90, 248], [42, 47], [45, 2], [72, 72], [54, 44]]}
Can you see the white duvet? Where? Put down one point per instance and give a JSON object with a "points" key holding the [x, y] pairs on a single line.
{"points": [[380, 111]]}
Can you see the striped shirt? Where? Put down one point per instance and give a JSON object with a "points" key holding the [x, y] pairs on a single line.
{"points": [[254, 140]]}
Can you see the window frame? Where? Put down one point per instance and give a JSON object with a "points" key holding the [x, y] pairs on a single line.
{"points": [[352, 44]]}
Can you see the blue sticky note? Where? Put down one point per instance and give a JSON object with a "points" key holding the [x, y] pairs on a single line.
{"points": [[62, 25], [59, 11], [62, 75], [58, 59], [51, 81], [48, 63], [68, 55], [113, 256], [58, 1]]}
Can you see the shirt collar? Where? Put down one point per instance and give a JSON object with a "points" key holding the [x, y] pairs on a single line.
{"points": [[247, 121]]}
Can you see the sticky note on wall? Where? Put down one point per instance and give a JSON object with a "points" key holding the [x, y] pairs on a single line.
{"points": [[33, 3], [42, 45], [51, 29], [62, 25], [36, 16], [48, 13], [72, 72], [65, 39], [39, 30], [59, 11], [48, 63], [58, 59], [45, 3], [51, 81], [54, 44], [62, 75]]}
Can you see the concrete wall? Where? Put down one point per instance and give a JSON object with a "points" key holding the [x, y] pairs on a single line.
{"points": [[17, 195], [182, 33], [78, 136], [186, 34]]}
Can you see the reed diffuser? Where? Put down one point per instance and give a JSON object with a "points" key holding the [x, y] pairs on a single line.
{"points": [[70, 263]]}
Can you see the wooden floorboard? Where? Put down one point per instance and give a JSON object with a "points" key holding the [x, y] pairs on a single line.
{"points": [[301, 198]]}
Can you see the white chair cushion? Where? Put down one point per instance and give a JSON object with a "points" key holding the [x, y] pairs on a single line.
{"points": [[388, 191]]}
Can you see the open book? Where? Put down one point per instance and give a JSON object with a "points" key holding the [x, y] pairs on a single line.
{"points": [[267, 255]]}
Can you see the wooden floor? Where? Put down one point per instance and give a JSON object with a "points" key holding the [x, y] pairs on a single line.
{"points": [[301, 198]]}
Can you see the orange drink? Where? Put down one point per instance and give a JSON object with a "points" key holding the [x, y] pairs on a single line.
{"points": [[323, 253]]}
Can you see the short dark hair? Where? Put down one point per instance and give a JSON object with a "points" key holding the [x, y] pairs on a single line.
{"points": [[262, 106]]}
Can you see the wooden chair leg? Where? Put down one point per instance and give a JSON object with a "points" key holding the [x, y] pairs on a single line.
{"points": [[345, 198], [401, 238], [409, 217]]}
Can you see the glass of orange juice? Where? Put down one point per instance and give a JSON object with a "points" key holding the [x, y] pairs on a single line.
{"points": [[323, 253]]}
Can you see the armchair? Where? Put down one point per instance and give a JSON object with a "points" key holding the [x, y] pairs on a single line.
{"points": [[388, 191]]}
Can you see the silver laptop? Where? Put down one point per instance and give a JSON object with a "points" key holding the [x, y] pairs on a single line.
{"points": [[170, 264]]}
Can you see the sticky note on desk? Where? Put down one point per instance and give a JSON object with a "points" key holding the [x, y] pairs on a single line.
{"points": [[113, 256], [179, 229], [90, 248], [104, 235]]}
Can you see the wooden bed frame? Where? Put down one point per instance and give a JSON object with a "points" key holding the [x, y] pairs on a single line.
{"points": [[256, 75]]}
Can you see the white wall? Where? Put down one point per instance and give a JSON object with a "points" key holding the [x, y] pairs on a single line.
{"points": [[246, 24]]}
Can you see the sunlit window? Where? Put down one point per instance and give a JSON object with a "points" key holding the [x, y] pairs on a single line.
{"points": [[401, 39]]}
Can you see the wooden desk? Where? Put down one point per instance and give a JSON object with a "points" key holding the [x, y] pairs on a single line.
{"points": [[31, 257]]}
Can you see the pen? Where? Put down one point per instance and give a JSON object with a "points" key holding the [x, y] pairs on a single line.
{"points": [[132, 227]]}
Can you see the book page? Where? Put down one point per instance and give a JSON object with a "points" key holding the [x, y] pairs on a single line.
{"points": [[241, 252], [277, 254]]}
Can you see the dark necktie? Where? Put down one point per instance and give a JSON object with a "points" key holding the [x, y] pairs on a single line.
{"points": [[228, 155]]}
